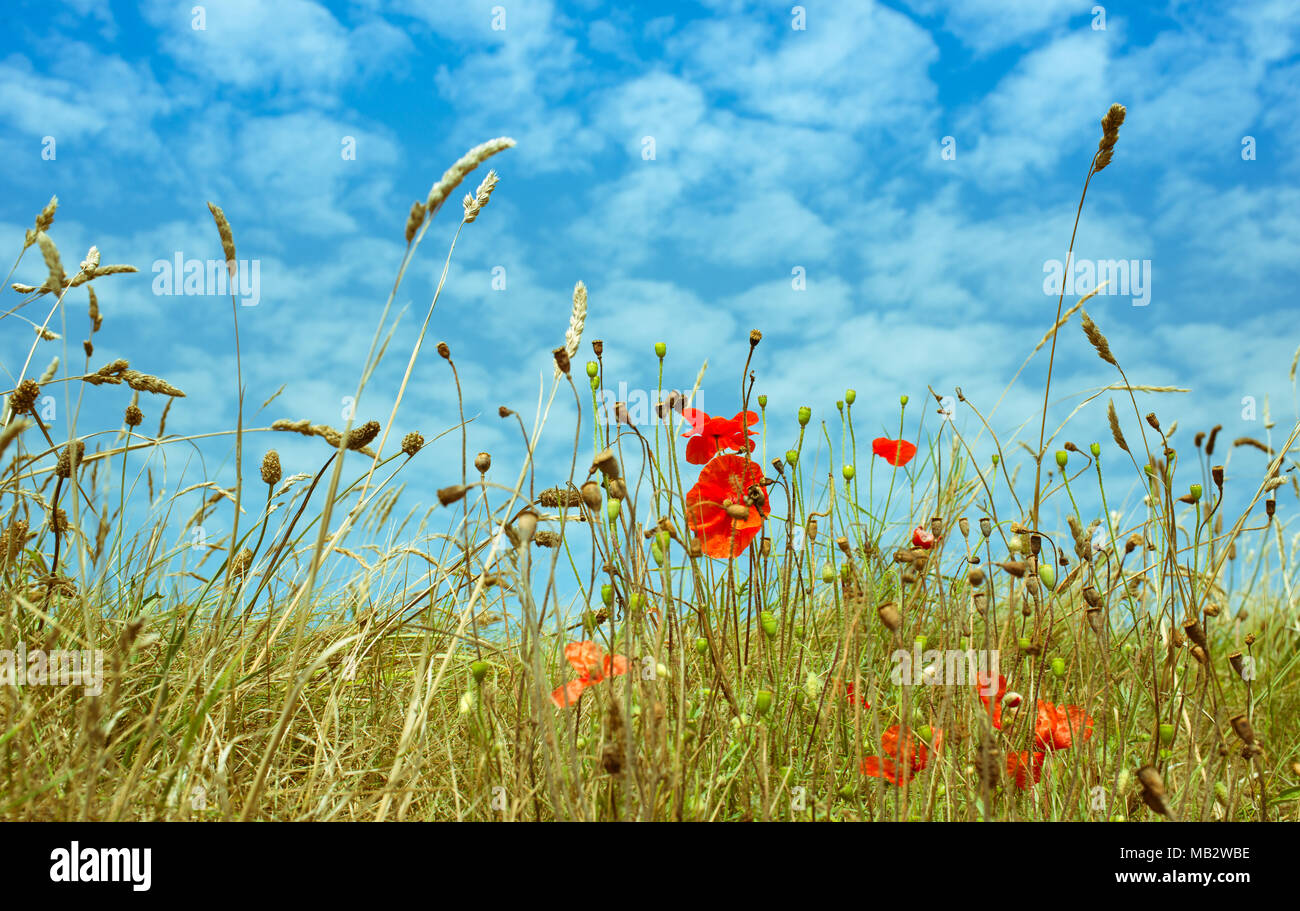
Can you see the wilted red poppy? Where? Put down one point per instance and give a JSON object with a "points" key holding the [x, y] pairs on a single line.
{"points": [[853, 700], [903, 758], [709, 436], [1058, 726], [718, 507], [592, 665], [1022, 767], [896, 452], [922, 538]]}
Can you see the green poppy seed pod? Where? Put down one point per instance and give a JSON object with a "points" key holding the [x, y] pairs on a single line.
{"points": [[701, 646], [595, 383], [660, 350], [1025, 643], [926, 733], [849, 472], [828, 573], [1058, 667], [1167, 732], [1047, 573], [762, 401], [1196, 492], [792, 458], [1095, 449], [922, 642], [611, 509], [996, 459], [635, 600], [1061, 458], [850, 395], [479, 671], [805, 415], [768, 619], [592, 369], [607, 594], [902, 400], [763, 701]]}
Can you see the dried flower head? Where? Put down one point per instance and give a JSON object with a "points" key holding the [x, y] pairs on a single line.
{"points": [[412, 443], [271, 467], [361, 437]]}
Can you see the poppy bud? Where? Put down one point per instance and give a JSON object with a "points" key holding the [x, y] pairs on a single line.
{"points": [[612, 509], [1025, 644], [763, 701], [1095, 449], [902, 400], [479, 670], [1058, 667], [607, 594], [1061, 458], [1195, 492], [805, 415], [828, 573], [592, 369], [660, 350], [996, 458], [701, 647], [792, 458], [657, 551], [922, 642], [850, 396], [768, 619], [849, 472], [762, 401], [1047, 573]]}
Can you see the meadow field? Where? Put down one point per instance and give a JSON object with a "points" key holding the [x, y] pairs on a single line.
{"points": [[742, 615]]}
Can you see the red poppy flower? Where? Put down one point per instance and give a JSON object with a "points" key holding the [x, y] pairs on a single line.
{"points": [[718, 507], [896, 452], [903, 758], [1021, 767], [983, 685], [592, 665], [1058, 726], [922, 538], [853, 700], [709, 436]]}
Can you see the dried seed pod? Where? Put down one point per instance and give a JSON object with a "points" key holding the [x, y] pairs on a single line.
{"points": [[964, 525], [547, 539], [889, 616], [134, 417], [986, 527], [591, 495], [1238, 663], [1242, 727], [1096, 618], [975, 578], [606, 463], [1154, 794], [525, 526], [483, 462], [69, 458], [452, 494], [1014, 568], [618, 490], [1196, 633]]}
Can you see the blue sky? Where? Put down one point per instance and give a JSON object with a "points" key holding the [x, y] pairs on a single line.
{"points": [[776, 148]]}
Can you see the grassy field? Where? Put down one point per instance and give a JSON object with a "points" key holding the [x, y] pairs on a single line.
{"points": [[664, 628]]}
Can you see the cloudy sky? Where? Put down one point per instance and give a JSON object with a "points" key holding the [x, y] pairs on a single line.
{"points": [[879, 187]]}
